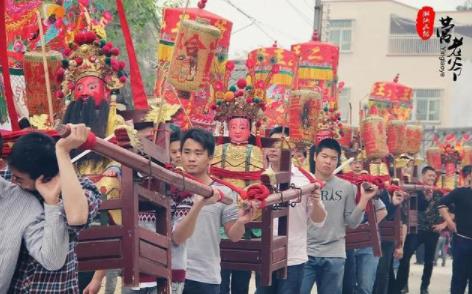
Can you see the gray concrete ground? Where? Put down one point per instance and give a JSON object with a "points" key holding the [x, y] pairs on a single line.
{"points": [[440, 281]]}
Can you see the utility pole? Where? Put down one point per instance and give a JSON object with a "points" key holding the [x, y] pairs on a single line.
{"points": [[318, 19]]}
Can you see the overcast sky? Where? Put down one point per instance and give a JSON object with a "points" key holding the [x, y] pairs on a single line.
{"points": [[257, 23]]}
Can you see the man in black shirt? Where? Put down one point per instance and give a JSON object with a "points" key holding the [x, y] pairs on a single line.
{"points": [[461, 198], [430, 223], [385, 278]]}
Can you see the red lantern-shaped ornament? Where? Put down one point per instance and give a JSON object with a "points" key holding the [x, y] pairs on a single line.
{"points": [[304, 111], [396, 137], [374, 136], [433, 157], [35, 79], [193, 55]]}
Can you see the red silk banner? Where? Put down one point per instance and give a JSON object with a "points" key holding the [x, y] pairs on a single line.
{"points": [[6, 75], [137, 87]]}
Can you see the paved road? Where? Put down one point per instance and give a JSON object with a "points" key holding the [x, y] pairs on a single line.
{"points": [[440, 282]]}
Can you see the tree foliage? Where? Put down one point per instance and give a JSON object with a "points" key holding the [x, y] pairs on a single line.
{"points": [[466, 6], [144, 19]]}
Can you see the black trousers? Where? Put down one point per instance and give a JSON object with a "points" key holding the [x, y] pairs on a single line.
{"points": [[194, 287], [233, 281], [461, 265], [385, 279], [430, 240]]}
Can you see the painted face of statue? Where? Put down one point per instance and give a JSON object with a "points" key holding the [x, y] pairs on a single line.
{"points": [[239, 130], [91, 87]]}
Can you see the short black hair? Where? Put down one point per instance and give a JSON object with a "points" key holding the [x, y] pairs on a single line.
{"points": [[175, 136], [201, 136], [24, 123], [280, 130], [35, 155], [466, 170], [329, 143], [426, 169]]}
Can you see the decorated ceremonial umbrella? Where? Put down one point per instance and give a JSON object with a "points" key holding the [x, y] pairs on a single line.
{"points": [[317, 68], [193, 103], [280, 64], [391, 100]]}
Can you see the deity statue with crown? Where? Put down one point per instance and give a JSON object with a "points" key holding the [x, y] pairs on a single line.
{"points": [[91, 76], [240, 107]]}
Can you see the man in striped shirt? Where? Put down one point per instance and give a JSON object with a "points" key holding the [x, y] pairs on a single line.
{"points": [[44, 167], [39, 226]]}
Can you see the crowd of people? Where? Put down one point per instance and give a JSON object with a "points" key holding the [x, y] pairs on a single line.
{"points": [[44, 205]]}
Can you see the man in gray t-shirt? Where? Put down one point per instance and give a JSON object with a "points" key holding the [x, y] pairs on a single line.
{"points": [[326, 245], [203, 250]]}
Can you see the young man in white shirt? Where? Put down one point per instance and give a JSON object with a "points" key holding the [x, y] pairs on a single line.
{"points": [[309, 210]]}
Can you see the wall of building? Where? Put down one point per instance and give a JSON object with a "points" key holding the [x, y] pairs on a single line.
{"points": [[369, 59]]}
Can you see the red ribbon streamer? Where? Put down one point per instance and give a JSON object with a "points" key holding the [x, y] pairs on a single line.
{"points": [[6, 74], [89, 144], [310, 177], [257, 192], [379, 181], [137, 87], [182, 194]]}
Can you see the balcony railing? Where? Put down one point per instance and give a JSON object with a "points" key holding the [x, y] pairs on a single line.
{"points": [[412, 45]]}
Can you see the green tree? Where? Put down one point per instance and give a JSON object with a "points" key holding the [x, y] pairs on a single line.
{"points": [[144, 20], [466, 6]]}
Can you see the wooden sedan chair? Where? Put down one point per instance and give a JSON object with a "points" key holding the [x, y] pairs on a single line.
{"points": [[128, 246], [391, 230], [365, 235], [268, 254], [411, 204]]}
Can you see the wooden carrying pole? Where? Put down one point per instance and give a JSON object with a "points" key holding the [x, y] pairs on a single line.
{"points": [[419, 187], [144, 165], [295, 193], [290, 194]]}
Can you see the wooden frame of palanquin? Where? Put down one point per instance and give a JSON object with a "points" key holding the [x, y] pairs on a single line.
{"points": [[137, 250], [128, 246], [266, 255]]}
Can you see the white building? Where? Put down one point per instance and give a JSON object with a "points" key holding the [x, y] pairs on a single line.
{"points": [[378, 39]]}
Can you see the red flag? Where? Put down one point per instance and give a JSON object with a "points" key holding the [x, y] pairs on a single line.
{"points": [[137, 87], [6, 74]]}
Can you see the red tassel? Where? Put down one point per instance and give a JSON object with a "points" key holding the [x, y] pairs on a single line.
{"points": [[258, 135], [258, 141], [90, 143]]}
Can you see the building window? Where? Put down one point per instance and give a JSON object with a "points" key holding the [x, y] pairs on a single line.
{"points": [[343, 103], [340, 33], [427, 103]]}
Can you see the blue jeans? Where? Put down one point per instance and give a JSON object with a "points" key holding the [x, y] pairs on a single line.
{"points": [[194, 287], [281, 286], [461, 264], [440, 252], [359, 271], [327, 272]]}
